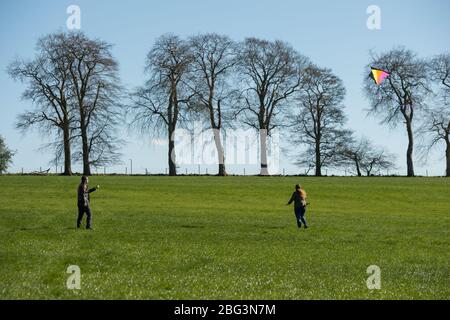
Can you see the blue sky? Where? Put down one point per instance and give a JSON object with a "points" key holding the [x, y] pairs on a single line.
{"points": [[332, 33]]}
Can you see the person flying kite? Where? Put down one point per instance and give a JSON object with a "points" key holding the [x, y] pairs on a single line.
{"points": [[299, 199], [84, 202], [378, 75]]}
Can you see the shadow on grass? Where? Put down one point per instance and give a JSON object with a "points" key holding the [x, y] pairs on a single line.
{"points": [[192, 227], [33, 229]]}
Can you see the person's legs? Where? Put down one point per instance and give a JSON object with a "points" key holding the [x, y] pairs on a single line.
{"points": [[297, 217], [89, 218], [80, 216], [302, 216]]}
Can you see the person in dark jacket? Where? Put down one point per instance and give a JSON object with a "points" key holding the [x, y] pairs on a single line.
{"points": [[299, 199], [84, 202]]}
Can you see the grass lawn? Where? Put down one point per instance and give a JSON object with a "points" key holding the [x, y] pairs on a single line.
{"points": [[225, 238]]}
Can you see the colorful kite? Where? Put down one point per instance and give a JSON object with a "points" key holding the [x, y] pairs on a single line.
{"points": [[378, 75]]}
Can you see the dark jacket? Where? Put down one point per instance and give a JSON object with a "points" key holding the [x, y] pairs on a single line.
{"points": [[83, 196], [298, 200]]}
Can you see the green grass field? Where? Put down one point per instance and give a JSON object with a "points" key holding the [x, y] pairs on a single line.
{"points": [[225, 238]]}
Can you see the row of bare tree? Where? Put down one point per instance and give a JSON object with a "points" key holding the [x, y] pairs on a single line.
{"points": [[414, 86], [262, 84], [266, 85], [74, 87]]}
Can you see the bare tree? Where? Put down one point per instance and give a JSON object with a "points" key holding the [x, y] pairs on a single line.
{"points": [[95, 91], [436, 123], [367, 157], [401, 94], [102, 137], [161, 102], [6, 155], [213, 58], [318, 122], [270, 77], [436, 127], [439, 69], [48, 79], [380, 160], [356, 153]]}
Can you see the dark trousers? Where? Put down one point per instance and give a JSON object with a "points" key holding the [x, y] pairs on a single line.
{"points": [[300, 215], [81, 211]]}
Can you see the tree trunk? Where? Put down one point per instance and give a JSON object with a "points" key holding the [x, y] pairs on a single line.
{"points": [[86, 166], [172, 163], [409, 151], [447, 155], [220, 152], [67, 151], [358, 170], [263, 152], [317, 160], [85, 147]]}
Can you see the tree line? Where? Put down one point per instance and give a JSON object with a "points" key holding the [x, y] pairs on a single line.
{"points": [[74, 86]]}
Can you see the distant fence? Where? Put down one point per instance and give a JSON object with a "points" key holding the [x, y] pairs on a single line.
{"points": [[198, 171]]}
